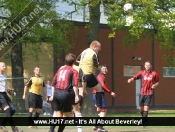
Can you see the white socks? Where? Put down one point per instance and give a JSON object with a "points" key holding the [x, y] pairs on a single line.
{"points": [[79, 127], [76, 115]]}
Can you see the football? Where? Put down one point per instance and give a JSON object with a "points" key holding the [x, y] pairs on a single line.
{"points": [[128, 7], [8, 90], [85, 93]]}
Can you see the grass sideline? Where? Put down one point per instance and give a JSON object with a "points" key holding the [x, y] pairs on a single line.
{"points": [[152, 113]]}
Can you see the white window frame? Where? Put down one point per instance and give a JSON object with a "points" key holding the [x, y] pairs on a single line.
{"points": [[132, 70], [168, 71]]}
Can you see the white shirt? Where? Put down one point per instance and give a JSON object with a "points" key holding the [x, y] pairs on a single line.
{"points": [[49, 90], [3, 85]]}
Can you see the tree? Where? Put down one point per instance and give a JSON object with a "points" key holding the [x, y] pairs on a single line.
{"points": [[151, 17], [92, 34], [30, 22]]}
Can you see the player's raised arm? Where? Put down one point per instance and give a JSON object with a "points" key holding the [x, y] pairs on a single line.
{"points": [[135, 77]]}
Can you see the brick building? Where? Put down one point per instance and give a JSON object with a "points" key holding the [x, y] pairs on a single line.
{"points": [[123, 64]]}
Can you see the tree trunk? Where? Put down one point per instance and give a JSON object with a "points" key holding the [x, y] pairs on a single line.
{"points": [[62, 57], [93, 34], [93, 30], [17, 71]]}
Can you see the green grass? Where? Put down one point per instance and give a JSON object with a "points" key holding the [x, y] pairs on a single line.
{"points": [[152, 113]]}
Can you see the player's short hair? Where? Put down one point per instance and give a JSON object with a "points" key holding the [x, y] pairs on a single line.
{"points": [[104, 65], [36, 67], [94, 43], [70, 59], [148, 62], [2, 62]]}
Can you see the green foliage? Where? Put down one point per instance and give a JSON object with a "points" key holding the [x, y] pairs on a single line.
{"points": [[52, 30], [48, 26], [154, 17]]}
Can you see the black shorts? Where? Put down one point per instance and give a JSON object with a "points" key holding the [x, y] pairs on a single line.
{"points": [[62, 101], [72, 94], [144, 100], [90, 79], [4, 100], [48, 99], [35, 101]]}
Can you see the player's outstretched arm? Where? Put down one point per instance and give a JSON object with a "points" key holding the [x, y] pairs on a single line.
{"points": [[113, 94], [130, 80]]}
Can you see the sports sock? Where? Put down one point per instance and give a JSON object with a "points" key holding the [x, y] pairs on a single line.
{"points": [[12, 110], [96, 120], [145, 113], [80, 101], [61, 128], [52, 128], [30, 118], [9, 118], [141, 113], [79, 127], [145, 120], [4, 121], [101, 126], [36, 115]]}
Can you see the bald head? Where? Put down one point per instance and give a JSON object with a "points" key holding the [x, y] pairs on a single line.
{"points": [[95, 45], [2, 67]]}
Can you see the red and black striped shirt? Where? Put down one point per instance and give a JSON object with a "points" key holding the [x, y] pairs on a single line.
{"points": [[102, 81], [65, 78], [147, 80]]}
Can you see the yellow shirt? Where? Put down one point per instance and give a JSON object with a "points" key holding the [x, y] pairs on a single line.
{"points": [[86, 62], [36, 85], [76, 67]]}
